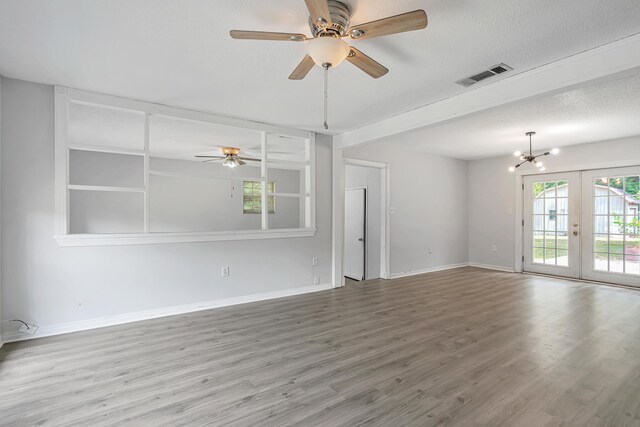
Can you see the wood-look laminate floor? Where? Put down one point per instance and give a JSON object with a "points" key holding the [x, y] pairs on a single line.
{"points": [[464, 347]]}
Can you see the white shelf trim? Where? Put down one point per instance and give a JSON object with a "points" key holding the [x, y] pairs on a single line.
{"points": [[106, 188], [185, 237]]}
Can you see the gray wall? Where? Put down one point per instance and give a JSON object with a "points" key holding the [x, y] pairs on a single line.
{"points": [[359, 176], [47, 284], [492, 194], [429, 196]]}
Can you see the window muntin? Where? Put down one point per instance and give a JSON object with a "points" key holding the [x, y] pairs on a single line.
{"points": [[252, 197]]}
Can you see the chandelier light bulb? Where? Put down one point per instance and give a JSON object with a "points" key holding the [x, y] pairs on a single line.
{"points": [[555, 150], [512, 169], [539, 164], [541, 169], [518, 154]]}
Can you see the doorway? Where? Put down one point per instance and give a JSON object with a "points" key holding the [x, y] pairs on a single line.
{"points": [[584, 225], [365, 226], [355, 233]]}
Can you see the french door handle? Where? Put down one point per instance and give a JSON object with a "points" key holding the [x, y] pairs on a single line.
{"points": [[360, 239], [575, 232]]}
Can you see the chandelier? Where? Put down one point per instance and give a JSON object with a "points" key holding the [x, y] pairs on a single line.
{"points": [[530, 157]]}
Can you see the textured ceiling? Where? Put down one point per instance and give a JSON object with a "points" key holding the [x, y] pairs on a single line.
{"points": [[179, 52], [594, 112]]}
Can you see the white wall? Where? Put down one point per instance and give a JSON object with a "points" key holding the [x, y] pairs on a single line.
{"points": [[50, 285], [492, 194], [429, 196], [371, 178]]}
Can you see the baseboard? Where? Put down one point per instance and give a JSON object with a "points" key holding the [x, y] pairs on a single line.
{"points": [[427, 270], [101, 322], [491, 267]]}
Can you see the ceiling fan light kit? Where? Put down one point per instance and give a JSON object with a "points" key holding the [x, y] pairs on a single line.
{"points": [[330, 23], [531, 158], [230, 158]]}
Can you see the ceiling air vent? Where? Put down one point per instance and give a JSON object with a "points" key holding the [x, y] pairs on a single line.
{"points": [[495, 70]]}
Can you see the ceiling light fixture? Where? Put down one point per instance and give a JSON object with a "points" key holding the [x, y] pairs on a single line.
{"points": [[530, 157], [327, 51]]}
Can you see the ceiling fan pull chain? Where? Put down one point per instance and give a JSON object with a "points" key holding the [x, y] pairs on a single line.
{"points": [[326, 93]]}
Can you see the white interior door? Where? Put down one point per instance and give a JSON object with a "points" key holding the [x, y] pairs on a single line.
{"points": [[354, 232], [552, 224], [610, 209]]}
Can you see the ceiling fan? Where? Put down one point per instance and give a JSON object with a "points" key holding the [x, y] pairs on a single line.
{"points": [[329, 22], [230, 157]]}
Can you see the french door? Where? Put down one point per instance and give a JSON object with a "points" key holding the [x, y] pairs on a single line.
{"points": [[584, 225], [552, 224], [611, 249]]}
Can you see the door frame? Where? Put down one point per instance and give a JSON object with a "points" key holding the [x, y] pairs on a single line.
{"points": [[339, 165], [366, 223], [519, 199]]}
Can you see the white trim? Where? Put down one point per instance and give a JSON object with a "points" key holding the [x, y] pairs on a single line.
{"points": [[76, 187], [157, 238], [428, 270], [109, 150], [101, 322], [491, 267], [615, 59]]}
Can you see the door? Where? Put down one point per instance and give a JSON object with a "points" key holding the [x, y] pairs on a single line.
{"points": [[355, 208], [552, 224], [611, 245]]}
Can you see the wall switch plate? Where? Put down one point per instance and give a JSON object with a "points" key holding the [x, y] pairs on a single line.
{"points": [[314, 261], [316, 280], [28, 329], [494, 248], [392, 211], [225, 271]]}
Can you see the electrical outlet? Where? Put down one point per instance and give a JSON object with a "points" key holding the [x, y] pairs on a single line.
{"points": [[316, 280], [494, 248], [314, 261], [225, 271]]}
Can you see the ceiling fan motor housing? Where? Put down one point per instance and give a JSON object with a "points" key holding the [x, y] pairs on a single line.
{"points": [[340, 17]]}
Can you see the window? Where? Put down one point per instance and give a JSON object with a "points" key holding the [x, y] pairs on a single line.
{"points": [[132, 172], [252, 197]]}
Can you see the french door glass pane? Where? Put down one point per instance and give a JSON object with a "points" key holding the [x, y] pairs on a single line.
{"points": [[616, 224], [550, 218]]}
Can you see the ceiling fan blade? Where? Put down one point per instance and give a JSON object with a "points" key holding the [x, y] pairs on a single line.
{"points": [[302, 69], [319, 10], [240, 162], [249, 159], [366, 64], [210, 157], [409, 21], [265, 35]]}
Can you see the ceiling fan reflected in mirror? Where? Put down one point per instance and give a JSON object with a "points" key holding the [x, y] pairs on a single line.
{"points": [[230, 158], [329, 22]]}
